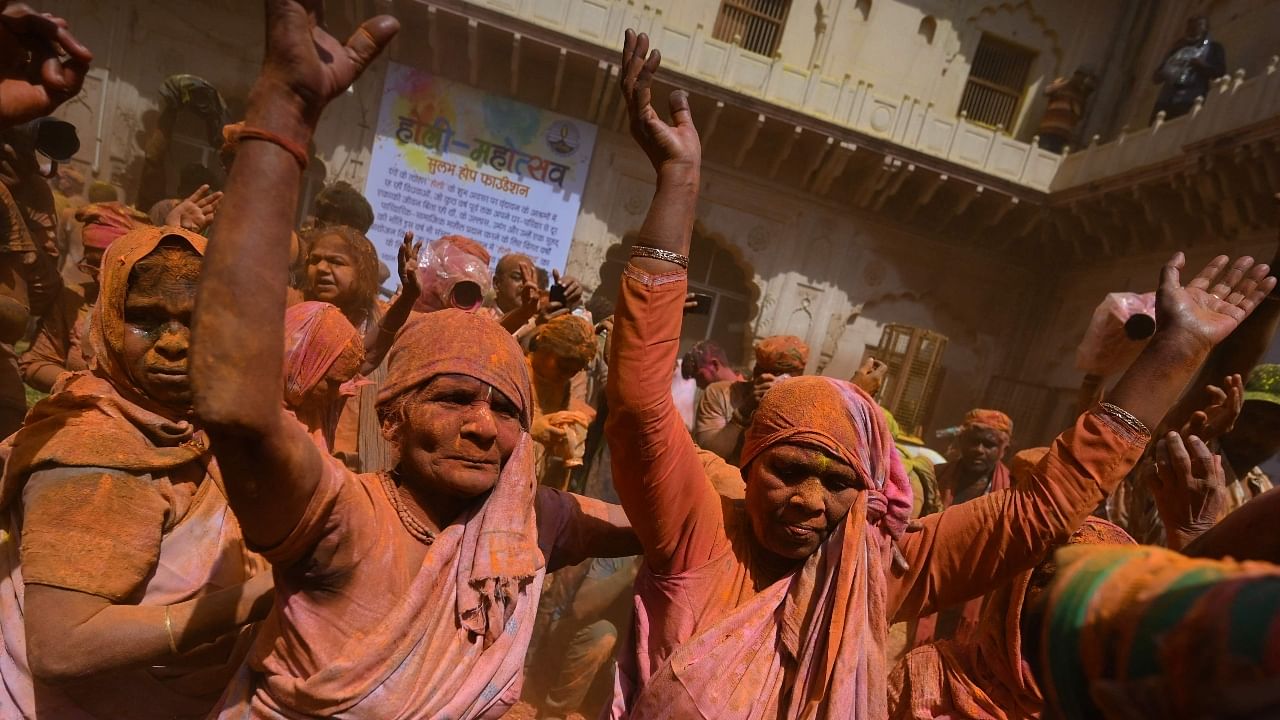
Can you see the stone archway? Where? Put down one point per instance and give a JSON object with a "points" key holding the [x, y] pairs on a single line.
{"points": [[716, 269]]}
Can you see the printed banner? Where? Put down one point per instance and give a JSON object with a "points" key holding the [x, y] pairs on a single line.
{"points": [[451, 160]]}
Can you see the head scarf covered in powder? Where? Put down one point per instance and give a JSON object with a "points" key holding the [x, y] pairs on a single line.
{"points": [[315, 335], [101, 418], [106, 325], [567, 336], [832, 621], [500, 545], [782, 354], [990, 419], [104, 223], [840, 419]]}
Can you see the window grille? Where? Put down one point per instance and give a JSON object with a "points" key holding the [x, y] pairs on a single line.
{"points": [[997, 82], [756, 25], [914, 357]]}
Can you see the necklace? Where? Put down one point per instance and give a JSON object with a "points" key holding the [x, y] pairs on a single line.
{"points": [[416, 527]]}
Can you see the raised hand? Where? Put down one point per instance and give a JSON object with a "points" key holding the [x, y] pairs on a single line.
{"points": [[196, 212], [1219, 416], [1214, 303], [668, 146], [1189, 487], [308, 62], [870, 377], [572, 288], [42, 65], [407, 267]]}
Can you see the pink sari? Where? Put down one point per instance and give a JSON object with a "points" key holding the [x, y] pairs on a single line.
{"points": [[359, 632]]}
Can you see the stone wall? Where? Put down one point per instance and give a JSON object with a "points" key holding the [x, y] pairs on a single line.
{"points": [[825, 274], [139, 43]]}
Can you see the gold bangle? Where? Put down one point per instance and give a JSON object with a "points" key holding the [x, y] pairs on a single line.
{"points": [[660, 254], [168, 630]]}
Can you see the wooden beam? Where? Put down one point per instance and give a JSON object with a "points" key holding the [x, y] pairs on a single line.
{"points": [[607, 96], [784, 151], [1090, 225], [433, 38], [1001, 212], [895, 184], [619, 116], [515, 64], [597, 86], [1060, 220], [966, 199], [473, 51], [874, 181], [815, 168], [712, 122], [930, 191], [558, 83], [836, 167], [748, 140], [1033, 216]]}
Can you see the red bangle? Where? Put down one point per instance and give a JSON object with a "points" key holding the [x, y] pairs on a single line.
{"points": [[298, 152]]}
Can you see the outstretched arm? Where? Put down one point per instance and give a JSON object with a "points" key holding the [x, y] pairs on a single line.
{"points": [[655, 467], [379, 336], [44, 63], [1236, 355], [971, 548], [270, 468]]}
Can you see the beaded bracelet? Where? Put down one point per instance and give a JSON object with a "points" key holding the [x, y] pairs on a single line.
{"points": [[660, 254]]}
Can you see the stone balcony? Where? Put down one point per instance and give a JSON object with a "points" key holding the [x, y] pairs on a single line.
{"points": [[849, 103], [1236, 106], [856, 146]]}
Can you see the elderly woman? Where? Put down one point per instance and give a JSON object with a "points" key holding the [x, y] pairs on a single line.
{"points": [[323, 353], [342, 269], [778, 605], [125, 574], [403, 594]]}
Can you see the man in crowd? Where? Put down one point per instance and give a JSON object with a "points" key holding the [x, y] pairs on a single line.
{"points": [[1188, 68], [978, 470], [707, 363], [559, 353], [726, 407], [523, 299]]}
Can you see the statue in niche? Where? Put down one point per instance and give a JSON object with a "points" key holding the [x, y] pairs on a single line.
{"points": [[801, 318], [1062, 114], [1191, 64], [835, 330]]}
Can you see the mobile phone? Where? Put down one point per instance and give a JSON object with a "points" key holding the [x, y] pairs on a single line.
{"points": [[557, 293], [703, 304]]}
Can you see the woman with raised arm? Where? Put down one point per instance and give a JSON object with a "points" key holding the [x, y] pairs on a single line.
{"points": [[126, 590], [404, 594], [778, 605]]}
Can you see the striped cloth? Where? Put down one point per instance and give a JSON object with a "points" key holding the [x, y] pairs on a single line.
{"points": [[1145, 632]]}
